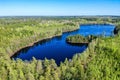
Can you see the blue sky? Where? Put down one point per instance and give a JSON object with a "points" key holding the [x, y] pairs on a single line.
{"points": [[59, 7]]}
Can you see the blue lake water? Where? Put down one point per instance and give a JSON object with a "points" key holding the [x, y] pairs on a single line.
{"points": [[57, 48]]}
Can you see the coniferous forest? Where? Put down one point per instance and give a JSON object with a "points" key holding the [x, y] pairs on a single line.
{"points": [[100, 61]]}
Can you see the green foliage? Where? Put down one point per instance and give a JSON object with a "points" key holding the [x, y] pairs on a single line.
{"points": [[100, 61], [117, 29], [80, 39], [18, 33], [106, 62]]}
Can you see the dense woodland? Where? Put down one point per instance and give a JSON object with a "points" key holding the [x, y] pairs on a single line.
{"points": [[101, 60], [79, 39]]}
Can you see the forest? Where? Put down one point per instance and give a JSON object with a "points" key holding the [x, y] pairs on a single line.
{"points": [[100, 61], [79, 39]]}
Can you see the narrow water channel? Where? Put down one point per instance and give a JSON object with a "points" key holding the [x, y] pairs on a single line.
{"points": [[57, 48]]}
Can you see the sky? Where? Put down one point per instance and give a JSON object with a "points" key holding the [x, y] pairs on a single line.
{"points": [[59, 7]]}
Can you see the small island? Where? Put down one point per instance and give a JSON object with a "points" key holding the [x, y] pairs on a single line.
{"points": [[79, 39]]}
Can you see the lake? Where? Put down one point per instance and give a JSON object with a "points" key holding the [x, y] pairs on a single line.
{"points": [[57, 47]]}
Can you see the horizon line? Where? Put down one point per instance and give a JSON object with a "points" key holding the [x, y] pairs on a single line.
{"points": [[53, 15]]}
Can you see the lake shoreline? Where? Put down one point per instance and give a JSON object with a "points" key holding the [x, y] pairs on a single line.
{"points": [[50, 37], [78, 44], [32, 44]]}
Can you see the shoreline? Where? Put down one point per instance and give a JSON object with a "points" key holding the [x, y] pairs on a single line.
{"points": [[76, 43], [35, 42], [111, 24]]}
